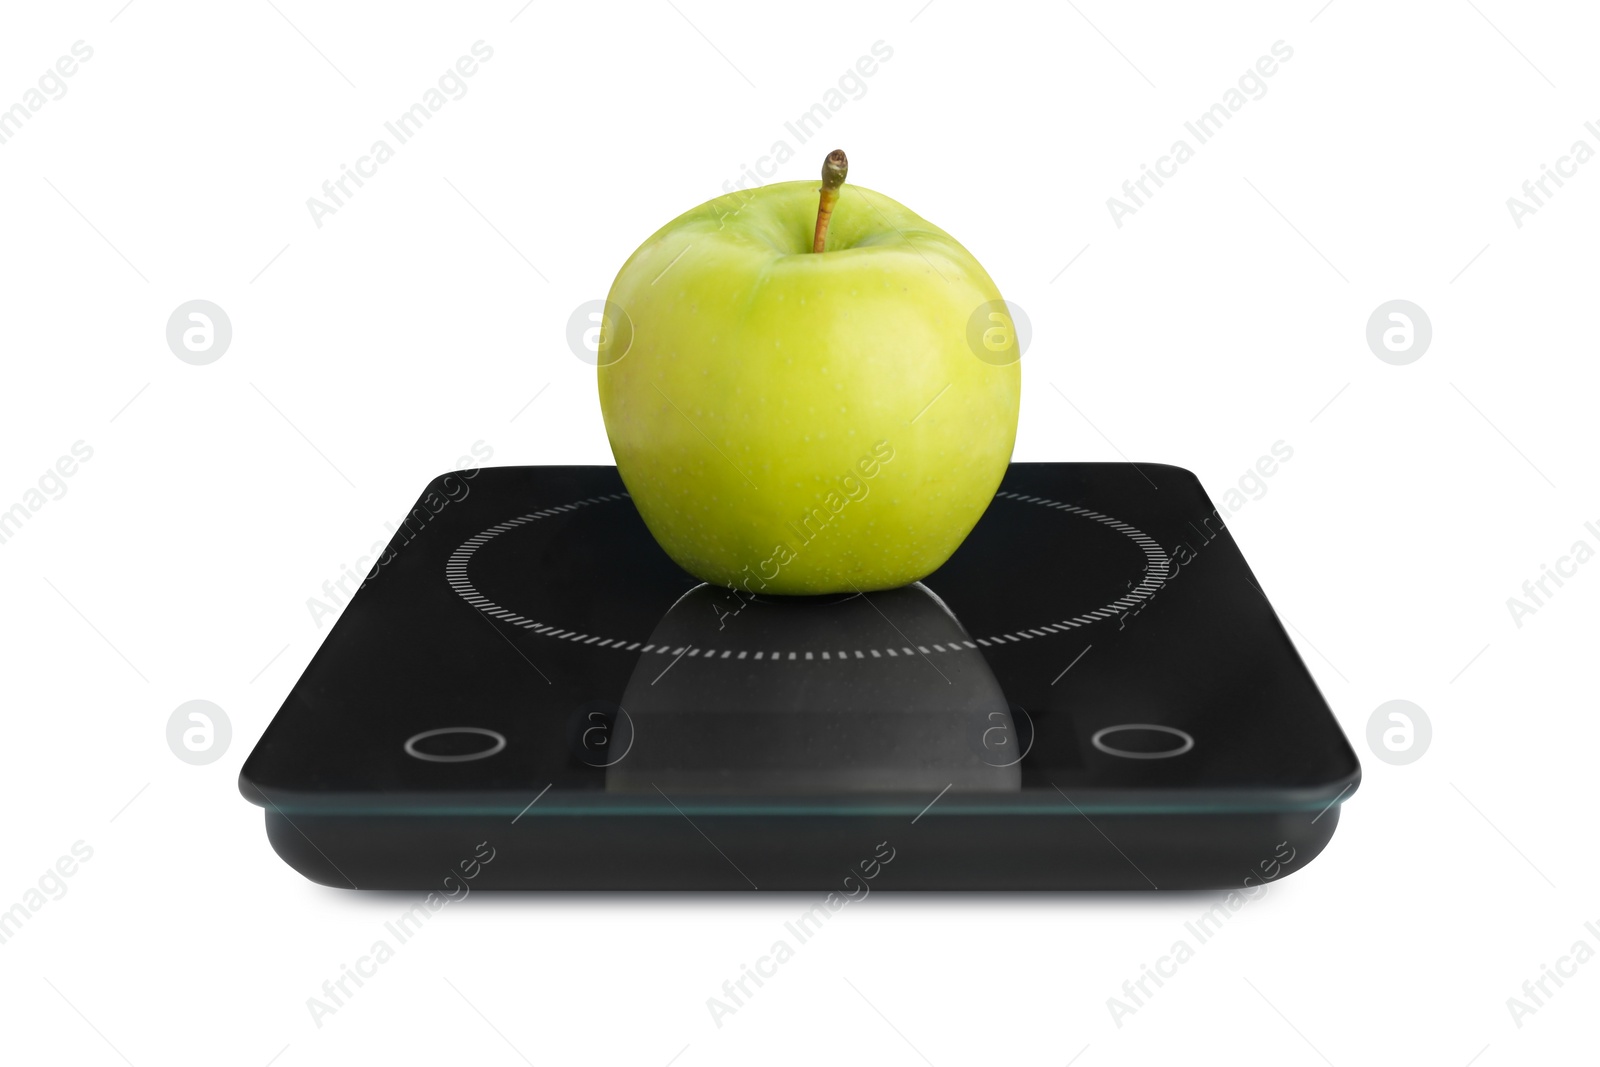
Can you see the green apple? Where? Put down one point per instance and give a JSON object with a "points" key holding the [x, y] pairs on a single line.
{"points": [[792, 421]]}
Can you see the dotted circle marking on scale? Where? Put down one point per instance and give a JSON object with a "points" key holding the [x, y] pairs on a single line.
{"points": [[1157, 570]]}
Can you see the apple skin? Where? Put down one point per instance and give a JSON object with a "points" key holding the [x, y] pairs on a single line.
{"points": [[792, 422]]}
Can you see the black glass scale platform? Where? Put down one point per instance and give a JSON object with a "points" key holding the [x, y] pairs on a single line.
{"points": [[1092, 693]]}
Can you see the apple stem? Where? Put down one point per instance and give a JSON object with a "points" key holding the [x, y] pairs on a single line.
{"points": [[834, 168]]}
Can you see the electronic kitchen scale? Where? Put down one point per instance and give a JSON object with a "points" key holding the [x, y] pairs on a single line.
{"points": [[1092, 693]]}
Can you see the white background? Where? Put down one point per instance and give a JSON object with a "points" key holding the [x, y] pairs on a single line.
{"points": [[370, 353]]}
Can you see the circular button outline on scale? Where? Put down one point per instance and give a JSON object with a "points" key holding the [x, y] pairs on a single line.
{"points": [[1188, 740], [499, 738]]}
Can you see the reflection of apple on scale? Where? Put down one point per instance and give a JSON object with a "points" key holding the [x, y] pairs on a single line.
{"points": [[897, 637]]}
